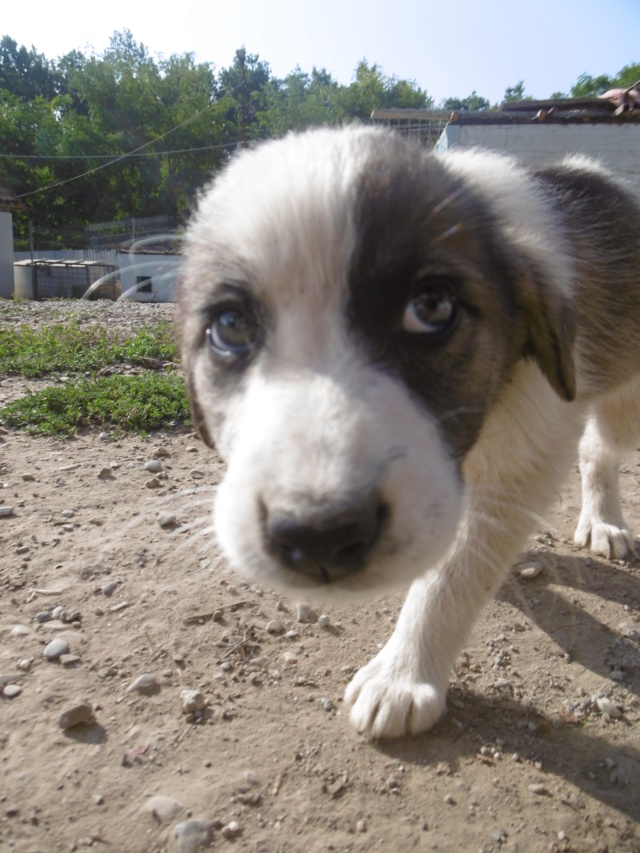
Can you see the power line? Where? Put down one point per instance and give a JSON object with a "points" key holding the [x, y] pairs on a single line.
{"points": [[130, 153], [109, 156]]}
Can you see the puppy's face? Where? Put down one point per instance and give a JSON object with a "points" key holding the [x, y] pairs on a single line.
{"points": [[348, 315]]}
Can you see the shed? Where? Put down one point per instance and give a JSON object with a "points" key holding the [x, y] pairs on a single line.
{"points": [[541, 132], [8, 203]]}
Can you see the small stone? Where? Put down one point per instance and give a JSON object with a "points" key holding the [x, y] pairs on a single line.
{"points": [[20, 631], [449, 800], [144, 684], [80, 714], [68, 528], [160, 452], [167, 519], [196, 474], [57, 612], [192, 701], [154, 466], [5, 511], [104, 436], [231, 830], [324, 621], [289, 658], [191, 448], [361, 826], [530, 570], [153, 483], [25, 664], [629, 630], [28, 478], [43, 616], [12, 690], [608, 708], [55, 648], [98, 799], [302, 611], [618, 675], [539, 789], [325, 703], [105, 473], [67, 513], [275, 626], [69, 660], [109, 588], [192, 835], [162, 808]]}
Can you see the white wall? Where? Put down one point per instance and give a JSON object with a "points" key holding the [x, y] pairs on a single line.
{"points": [[615, 145]]}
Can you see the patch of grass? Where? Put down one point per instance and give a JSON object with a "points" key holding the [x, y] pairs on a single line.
{"points": [[79, 349], [124, 403]]}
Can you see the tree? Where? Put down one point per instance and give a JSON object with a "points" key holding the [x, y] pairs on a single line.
{"points": [[513, 94], [471, 102]]}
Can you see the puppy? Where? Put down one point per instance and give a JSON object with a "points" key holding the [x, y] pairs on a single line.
{"points": [[397, 354]]}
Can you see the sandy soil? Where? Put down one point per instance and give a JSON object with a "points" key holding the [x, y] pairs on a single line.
{"points": [[524, 759]]}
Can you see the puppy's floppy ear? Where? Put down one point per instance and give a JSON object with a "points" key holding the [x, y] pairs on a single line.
{"points": [[550, 326]]}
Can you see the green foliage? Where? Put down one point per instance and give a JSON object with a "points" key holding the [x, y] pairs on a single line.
{"points": [[124, 403], [513, 94], [79, 349], [588, 85], [474, 101]]}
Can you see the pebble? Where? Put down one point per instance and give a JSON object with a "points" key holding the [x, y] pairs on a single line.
{"points": [[192, 835], [67, 513], [607, 707], [361, 826], [43, 616], [57, 612], [191, 448], [162, 808], [20, 631], [25, 664], [5, 510], [104, 436], [153, 465], [275, 626], [153, 483], [55, 648], [28, 478], [628, 630], [231, 830], [538, 788], [303, 611], [160, 452], [109, 588], [289, 658], [192, 701], [449, 800], [324, 621], [69, 660], [143, 684], [325, 704], [8, 678], [104, 473], [530, 570], [167, 519], [196, 474], [12, 690], [80, 714]]}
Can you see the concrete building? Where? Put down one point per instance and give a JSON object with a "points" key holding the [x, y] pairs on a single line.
{"points": [[8, 203]]}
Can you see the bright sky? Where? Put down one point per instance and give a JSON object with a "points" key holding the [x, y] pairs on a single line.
{"points": [[449, 47]]}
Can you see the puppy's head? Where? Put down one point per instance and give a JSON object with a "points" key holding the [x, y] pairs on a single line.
{"points": [[349, 312]]}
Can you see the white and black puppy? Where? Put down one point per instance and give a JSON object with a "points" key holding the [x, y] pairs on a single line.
{"points": [[397, 354]]}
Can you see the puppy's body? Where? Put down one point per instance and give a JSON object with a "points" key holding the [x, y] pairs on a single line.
{"points": [[396, 354]]}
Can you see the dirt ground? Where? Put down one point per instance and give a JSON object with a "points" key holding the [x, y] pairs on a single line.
{"points": [[525, 758]]}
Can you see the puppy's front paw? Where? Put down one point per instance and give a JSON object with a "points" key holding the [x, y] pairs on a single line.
{"points": [[386, 701], [611, 541]]}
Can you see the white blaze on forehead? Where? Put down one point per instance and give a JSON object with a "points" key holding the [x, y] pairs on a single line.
{"points": [[283, 215]]}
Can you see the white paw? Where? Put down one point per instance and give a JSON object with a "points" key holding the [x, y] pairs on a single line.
{"points": [[611, 541], [386, 701]]}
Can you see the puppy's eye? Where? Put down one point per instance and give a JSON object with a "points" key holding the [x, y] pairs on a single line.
{"points": [[233, 334], [433, 310]]}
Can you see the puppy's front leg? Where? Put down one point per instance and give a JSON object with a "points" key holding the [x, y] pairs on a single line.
{"points": [[403, 689]]}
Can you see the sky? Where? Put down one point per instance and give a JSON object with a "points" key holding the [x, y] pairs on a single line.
{"points": [[449, 47]]}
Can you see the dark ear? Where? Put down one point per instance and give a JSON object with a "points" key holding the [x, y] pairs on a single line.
{"points": [[551, 329]]}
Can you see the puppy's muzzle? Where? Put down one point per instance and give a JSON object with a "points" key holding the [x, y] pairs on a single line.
{"points": [[325, 543]]}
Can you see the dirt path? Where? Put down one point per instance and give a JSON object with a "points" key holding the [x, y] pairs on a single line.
{"points": [[523, 760]]}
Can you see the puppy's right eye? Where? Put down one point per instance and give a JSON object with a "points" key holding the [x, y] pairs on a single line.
{"points": [[233, 334]]}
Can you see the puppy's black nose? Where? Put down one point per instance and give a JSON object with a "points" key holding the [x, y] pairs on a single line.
{"points": [[325, 543]]}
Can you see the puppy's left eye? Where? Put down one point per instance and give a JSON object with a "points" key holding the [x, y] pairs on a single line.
{"points": [[233, 334], [431, 311]]}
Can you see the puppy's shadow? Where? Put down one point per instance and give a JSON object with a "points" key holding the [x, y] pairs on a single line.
{"points": [[553, 600]]}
